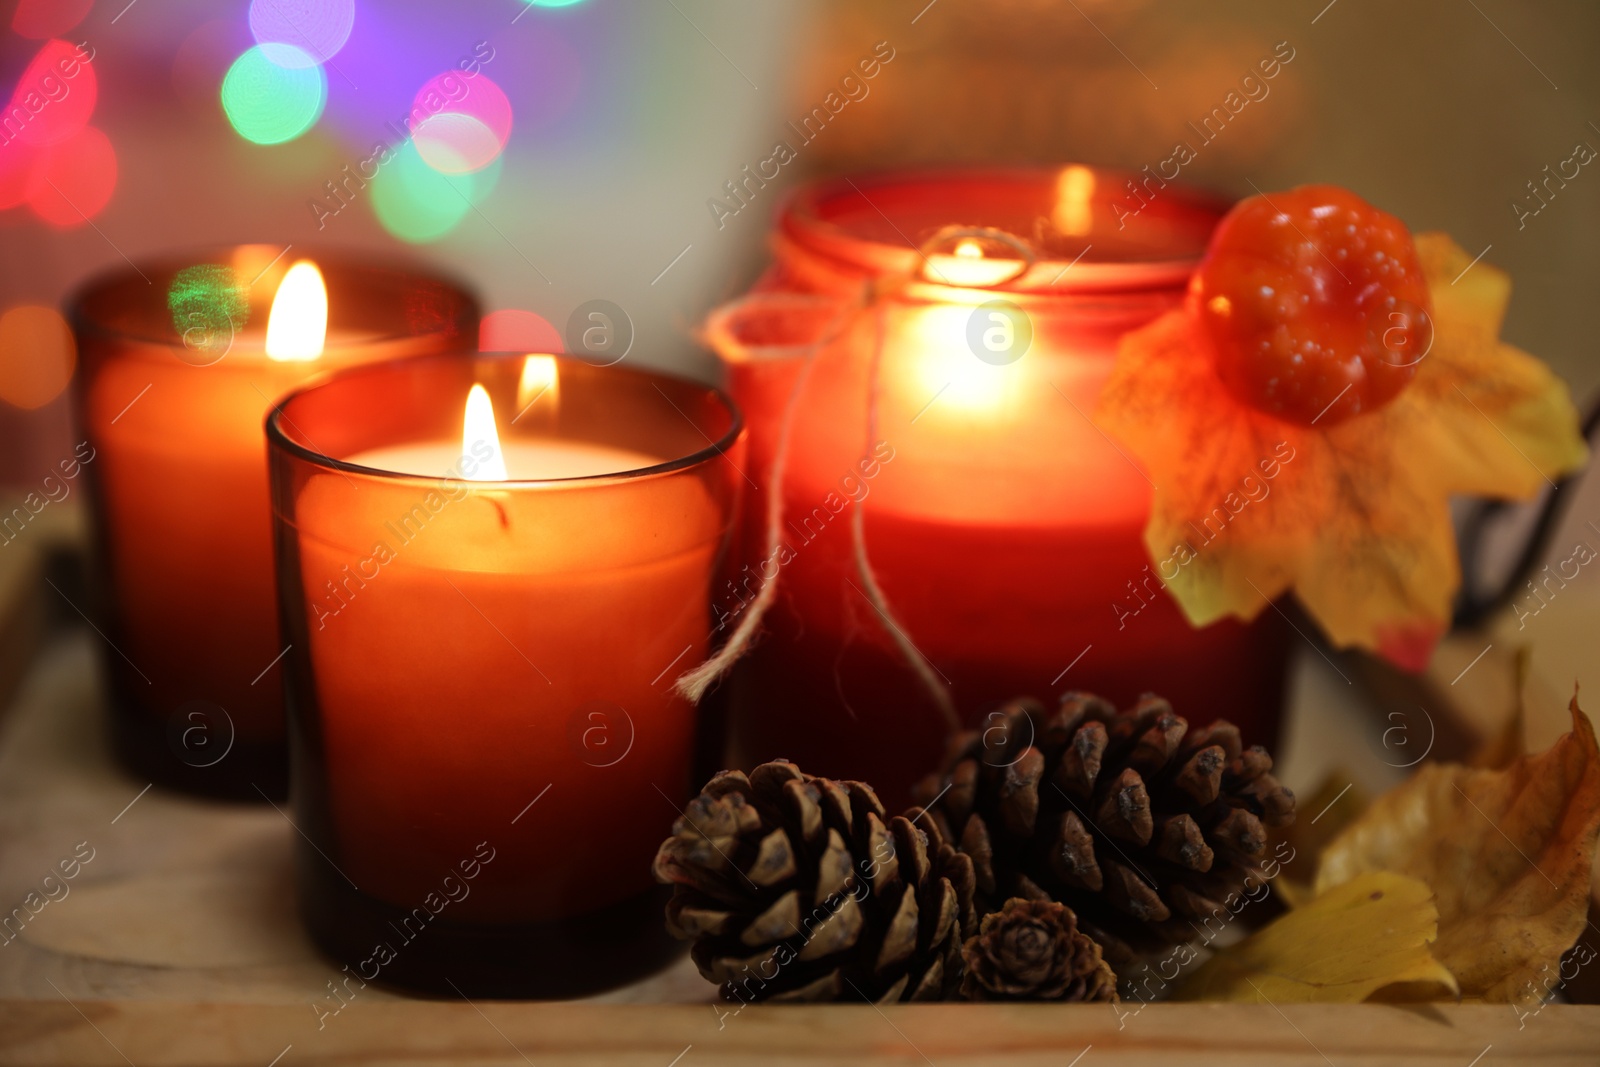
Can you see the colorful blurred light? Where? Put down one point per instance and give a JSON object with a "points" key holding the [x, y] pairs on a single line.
{"points": [[552, 3], [39, 19], [273, 93], [416, 203], [445, 141], [516, 330], [453, 143], [37, 356], [75, 179], [54, 97], [316, 28], [19, 162]]}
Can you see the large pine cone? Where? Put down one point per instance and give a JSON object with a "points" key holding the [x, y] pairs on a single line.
{"points": [[802, 888], [1141, 827]]}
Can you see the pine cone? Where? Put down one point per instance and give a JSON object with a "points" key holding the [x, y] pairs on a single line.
{"points": [[1032, 950], [801, 888], [1138, 825]]}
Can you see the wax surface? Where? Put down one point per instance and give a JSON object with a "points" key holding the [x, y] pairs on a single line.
{"points": [[526, 460]]}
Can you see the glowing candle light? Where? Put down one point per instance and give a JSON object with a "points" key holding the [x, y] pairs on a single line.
{"points": [[297, 328], [481, 621], [1074, 209], [1004, 529], [538, 392], [173, 399], [478, 435]]}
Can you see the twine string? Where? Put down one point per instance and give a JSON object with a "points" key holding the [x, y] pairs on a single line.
{"points": [[694, 683], [913, 656]]}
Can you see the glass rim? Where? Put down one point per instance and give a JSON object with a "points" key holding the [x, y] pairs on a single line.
{"points": [[330, 261], [803, 219], [279, 440]]}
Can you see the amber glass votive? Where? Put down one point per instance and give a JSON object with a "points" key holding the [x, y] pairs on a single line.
{"points": [[487, 745], [175, 382]]}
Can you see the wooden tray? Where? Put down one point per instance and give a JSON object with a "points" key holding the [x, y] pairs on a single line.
{"points": [[177, 944]]}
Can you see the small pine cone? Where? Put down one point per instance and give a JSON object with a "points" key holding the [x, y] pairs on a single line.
{"points": [[802, 888], [1139, 825], [1032, 950]]}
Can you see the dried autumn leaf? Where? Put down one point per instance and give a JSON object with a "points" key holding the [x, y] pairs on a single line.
{"points": [[1508, 854], [1352, 515], [1337, 803], [1342, 947]]}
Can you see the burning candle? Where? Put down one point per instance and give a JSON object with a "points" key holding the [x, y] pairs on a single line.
{"points": [[172, 400], [489, 569], [1000, 551]]}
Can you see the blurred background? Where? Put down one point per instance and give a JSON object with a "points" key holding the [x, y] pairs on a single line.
{"points": [[578, 148]]}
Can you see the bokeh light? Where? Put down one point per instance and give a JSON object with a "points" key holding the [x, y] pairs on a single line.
{"points": [[453, 143], [553, 3], [449, 144], [37, 356], [48, 140], [56, 93], [273, 93], [416, 203], [317, 29], [18, 171], [75, 179], [39, 19], [516, 330]]}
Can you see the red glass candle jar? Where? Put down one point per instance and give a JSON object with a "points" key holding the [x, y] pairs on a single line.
{"points": [[176, 379], [487, 745], [950, 399]]}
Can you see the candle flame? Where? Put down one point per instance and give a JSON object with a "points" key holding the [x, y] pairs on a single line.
{"points": [[967, 264], [478, 430], [947, 367], [297, 328], [1074, 199], [539, 378]]}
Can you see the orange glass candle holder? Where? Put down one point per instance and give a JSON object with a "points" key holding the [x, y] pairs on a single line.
{"points": [[174, 384], [946, 392], [487, 744]]}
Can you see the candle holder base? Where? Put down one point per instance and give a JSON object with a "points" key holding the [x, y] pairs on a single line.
{"points": [[573, 957], [232, 769]]}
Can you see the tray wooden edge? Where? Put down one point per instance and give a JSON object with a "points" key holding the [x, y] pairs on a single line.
{"points": [[42, 1033]]}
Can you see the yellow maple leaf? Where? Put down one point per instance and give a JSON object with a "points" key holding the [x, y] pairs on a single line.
{"points": [[1352, 515], [1508, 854], [1371, 933]]}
